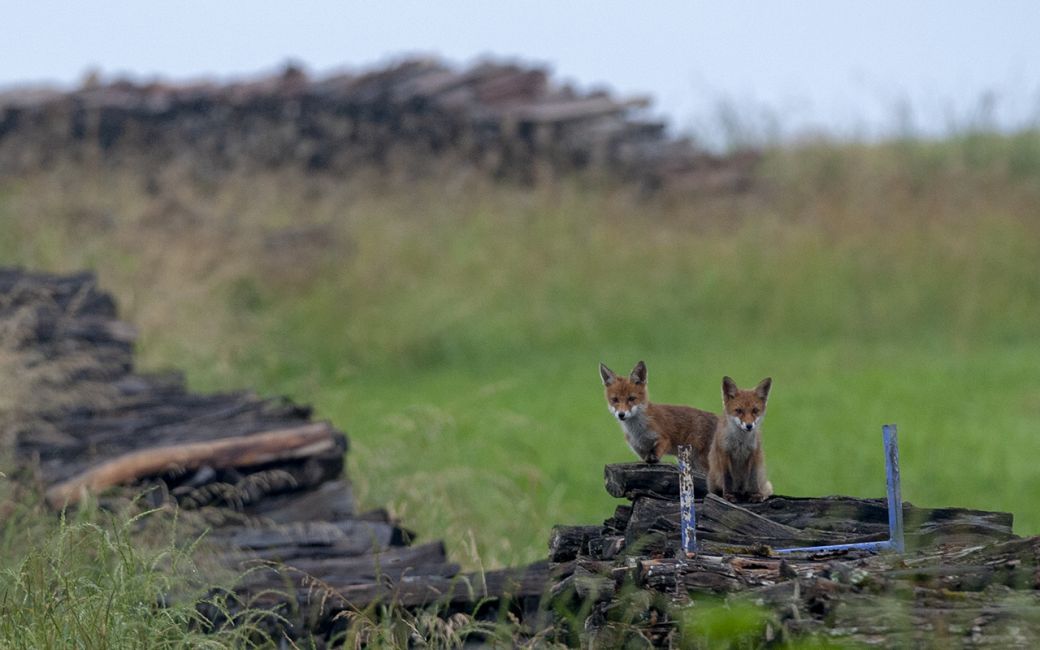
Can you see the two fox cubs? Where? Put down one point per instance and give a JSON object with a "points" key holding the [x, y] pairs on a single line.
{"points": [[728, 447]]}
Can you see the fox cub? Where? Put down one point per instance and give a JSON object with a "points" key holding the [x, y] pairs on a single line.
{"points": [[653, 430], [737, 468]]}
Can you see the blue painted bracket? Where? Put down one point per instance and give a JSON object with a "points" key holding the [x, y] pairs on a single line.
{"points": [[895, 541]]}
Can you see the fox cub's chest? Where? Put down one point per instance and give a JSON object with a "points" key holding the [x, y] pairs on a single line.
{"points": [[739, 444], [638, 434]]}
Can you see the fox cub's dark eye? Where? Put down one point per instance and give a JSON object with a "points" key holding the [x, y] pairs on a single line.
{"points": [[740, 411], [631, 398], [614, 400], [754, 411]]}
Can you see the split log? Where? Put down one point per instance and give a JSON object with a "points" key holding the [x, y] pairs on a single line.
{"points": [[721, 521], [566, 542], [699, 575], [606, 547], [725, 523], [245, 451], [618, 522], [659, 480], [652, 515], [869, 517], [589, 581]]}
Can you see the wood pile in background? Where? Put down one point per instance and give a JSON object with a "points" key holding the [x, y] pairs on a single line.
{"points": [[416, 117], [966, 579], [266, 479]]}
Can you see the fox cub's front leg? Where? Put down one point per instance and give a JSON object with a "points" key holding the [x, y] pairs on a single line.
{"points": [[717, 482], [661, 447]]}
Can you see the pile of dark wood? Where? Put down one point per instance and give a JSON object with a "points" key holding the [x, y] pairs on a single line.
{"points": [[965, 580], [414, 117], [259, 473], [268, 483]]}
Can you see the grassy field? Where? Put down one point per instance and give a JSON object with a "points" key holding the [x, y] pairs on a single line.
{"points": [[453, 329]]}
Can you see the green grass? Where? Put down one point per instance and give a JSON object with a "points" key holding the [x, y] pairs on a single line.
{"points": [[95, 581], [454, 330]]}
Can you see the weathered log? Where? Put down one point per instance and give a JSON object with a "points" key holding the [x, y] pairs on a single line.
{"points": [[566, 542], [840, 520], [866, 518], [605, 547], [699, 575], [837, 513], [652, 515], [721, 521], [331, 501], [337, 573], [618, 522], [369, 565], [272, 446], [507, 584], [660, 480], [592, 581]]}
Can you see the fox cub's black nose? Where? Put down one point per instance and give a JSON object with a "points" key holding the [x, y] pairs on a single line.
{"points": [[749, 427], [621, 416]]}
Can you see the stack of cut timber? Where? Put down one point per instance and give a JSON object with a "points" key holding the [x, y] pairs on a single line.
{"points": [[264, 477], [966, 577], [414, 117]]}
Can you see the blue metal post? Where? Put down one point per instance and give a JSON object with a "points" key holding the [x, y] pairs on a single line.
{"points": [[895, 506], [895, 493], [687, 511]]}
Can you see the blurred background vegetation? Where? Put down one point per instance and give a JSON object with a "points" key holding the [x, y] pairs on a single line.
{"points": [[453, 325]]}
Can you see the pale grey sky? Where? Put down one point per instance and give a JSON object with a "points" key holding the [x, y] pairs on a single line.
{"points": [[843, 66]]}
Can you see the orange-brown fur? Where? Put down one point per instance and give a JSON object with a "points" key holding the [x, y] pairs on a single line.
{"points": [[653, 430], [737, 466]]}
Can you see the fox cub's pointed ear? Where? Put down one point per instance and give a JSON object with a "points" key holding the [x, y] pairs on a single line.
{"points": [[729, 388], [607, 375], [762, 390], [639, 373]]}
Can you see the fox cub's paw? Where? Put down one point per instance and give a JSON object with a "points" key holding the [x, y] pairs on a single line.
{"points": [[756, 497], [729, 496], [651, 458]]}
